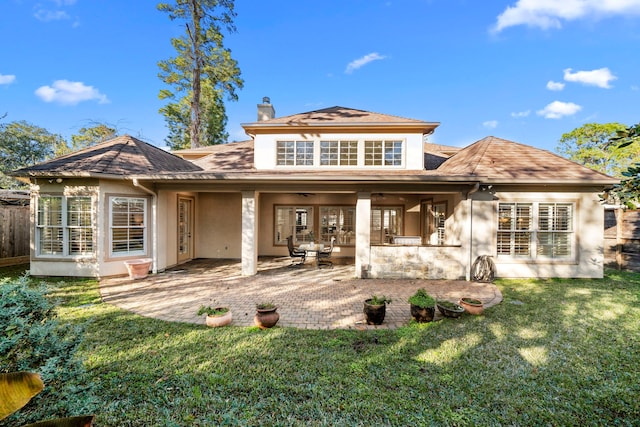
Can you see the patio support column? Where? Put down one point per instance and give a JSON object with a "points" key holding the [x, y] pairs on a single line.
{"points": [[363, 235], [249, 233]]}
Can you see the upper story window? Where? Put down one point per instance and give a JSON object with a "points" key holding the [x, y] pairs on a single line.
{"points": [[383, 153], [338, 153], [294, 153], [64, 226], [347, 153], [128, 225]]}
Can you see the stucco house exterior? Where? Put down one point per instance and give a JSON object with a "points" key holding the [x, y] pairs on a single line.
{"points": [[399, 206]]}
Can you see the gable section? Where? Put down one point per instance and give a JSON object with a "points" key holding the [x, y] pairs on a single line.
{"points": [[339, 119]]}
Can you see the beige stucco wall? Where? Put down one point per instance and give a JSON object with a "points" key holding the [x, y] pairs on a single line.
{"points": [[265, 148], [102, 264], [588, 259], [218, 225]]}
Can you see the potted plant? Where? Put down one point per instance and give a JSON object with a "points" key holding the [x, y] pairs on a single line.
{"points": [[266, 315], [471, 305], [216, 316], [138, 268], [423, 306], [449, 309], [375, 309]]}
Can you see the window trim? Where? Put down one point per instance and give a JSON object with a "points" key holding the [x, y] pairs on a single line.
{"points": [[342, 144], [428, 224], [65, 227], [297, 161], [383, 161], [109, 227], [536, 231]]}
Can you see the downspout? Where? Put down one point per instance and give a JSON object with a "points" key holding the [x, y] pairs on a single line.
{"points": [[475, 188], [154, 217]]}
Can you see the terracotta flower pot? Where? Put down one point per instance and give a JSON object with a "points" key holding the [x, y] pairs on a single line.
{"points": [[471, 305], [138, 268], [374, 314], [215, 321], [266, 317]]}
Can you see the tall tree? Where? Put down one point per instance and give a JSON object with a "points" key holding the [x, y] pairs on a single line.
{"points": [[200, 75], [23, 144], [628, 190], [93, 135], [589, 145]]}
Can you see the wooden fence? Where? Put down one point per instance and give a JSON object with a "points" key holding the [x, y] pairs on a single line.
{"points": [[622, 239], [14, 235]]}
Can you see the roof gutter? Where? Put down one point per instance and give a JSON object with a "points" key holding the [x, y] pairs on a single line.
{"points": [[154, 218]]}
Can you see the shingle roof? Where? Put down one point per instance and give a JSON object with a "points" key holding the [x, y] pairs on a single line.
{"points": [[123, 155], [340, 117], [341, 114], [231, 156], [501, 160]]}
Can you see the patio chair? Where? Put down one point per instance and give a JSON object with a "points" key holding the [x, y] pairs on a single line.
{"points": [[324, 256], [295, 253]]}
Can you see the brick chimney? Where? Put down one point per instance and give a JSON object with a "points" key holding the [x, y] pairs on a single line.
{"points": [[265, 110]]}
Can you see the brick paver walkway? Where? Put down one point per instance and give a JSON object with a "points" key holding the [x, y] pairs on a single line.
{"points": [[329, 298]]}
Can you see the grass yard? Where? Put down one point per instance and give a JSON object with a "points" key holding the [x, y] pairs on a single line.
{"points": [[555, 352]]}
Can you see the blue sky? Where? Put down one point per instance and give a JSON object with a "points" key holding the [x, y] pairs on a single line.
{"points": [[524, 70]]}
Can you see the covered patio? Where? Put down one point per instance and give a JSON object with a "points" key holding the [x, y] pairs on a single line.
{"points": [[307, 297]]}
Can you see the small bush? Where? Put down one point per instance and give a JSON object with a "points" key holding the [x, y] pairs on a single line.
{"points": [[33, 340], [422, 299]]}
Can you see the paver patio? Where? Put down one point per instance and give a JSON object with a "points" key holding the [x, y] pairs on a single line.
{"points": [[307, 297]]}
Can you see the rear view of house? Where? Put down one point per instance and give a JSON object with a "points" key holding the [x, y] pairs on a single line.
{"points": [[399, 206]]}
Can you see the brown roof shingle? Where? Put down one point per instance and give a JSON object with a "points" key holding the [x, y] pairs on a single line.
{"points": [[123, 155], [339, 118], [231, 156], [500, 160]]}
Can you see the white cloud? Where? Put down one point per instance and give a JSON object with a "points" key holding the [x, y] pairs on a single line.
{"points": [[51, 15], [7, 79], [70, 93], [547, 14], [361, 62], [490, 124], [521, 114], [600, 77], [559, 109], [551, 85]]}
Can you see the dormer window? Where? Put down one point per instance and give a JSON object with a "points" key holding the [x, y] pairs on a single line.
{"points": [[338, 153], [295, 153], [383, 153]]}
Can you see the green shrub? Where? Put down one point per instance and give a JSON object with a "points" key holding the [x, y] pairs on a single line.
{"points": [[379, 300], [422, 299], [31, 339]]}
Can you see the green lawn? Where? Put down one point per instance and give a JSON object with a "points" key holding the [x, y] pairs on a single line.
{"points": [[555, 352]]}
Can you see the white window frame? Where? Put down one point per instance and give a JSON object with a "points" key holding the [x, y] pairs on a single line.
{"points": [[389, 153], [295, 153], [338, 153], [133, 226], [65, 228], [535, 229]]}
